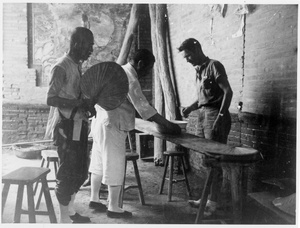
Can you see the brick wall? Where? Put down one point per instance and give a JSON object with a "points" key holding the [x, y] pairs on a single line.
{"points": [[19, 82], [51, 40], [261, 66], [262, 70], [23, 122]]}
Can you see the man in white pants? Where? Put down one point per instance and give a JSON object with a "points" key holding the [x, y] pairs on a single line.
{"points": [[109, 130]]}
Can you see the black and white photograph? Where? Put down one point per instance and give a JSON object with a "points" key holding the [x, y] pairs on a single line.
{"points": [[145, 113]]}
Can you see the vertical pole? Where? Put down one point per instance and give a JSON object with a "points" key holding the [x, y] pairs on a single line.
{"points": [[30, 34]]}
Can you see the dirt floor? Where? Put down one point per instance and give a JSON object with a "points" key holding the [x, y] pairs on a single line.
{"points": [[156, 211]]}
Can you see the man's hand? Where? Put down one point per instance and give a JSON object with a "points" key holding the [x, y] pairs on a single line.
{"points": [[170, 128], [185, 112], [217, 125], [88, 106]]}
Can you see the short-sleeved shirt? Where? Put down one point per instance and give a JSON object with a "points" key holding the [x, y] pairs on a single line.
{"points": [[123, 117], [207, 74], [69, 88]]}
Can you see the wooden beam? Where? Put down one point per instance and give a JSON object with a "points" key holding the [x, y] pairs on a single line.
{"points": [[159, 144], [130, 33]]}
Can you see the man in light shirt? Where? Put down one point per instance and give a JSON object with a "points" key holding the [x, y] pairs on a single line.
{"points": [[109, 130], [71, 139]]}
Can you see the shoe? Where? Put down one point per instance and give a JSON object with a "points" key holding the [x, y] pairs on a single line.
{"points": [[210, 207], [97, 206], [77, 218], [194, 203], [125, 214]]}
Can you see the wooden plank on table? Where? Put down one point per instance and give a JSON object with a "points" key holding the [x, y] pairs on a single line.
{"points": [[194, 142]]}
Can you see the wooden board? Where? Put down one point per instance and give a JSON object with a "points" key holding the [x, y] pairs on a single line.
{"points": [[196, 143]]}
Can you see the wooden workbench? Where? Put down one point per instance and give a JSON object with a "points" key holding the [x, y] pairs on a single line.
{"points": [[235, 157], [201, 145]]}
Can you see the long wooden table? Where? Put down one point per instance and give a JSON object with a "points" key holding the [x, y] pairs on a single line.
{"points": [[236, 158]]}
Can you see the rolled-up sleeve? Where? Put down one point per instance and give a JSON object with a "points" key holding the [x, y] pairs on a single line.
{"points": [[139, 101]]}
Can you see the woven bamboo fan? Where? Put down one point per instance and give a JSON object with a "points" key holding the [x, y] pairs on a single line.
{"points": [[105, 82]]}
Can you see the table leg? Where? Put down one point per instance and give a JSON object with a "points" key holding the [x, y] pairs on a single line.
{"points": [[204, 195], [236, 192]]}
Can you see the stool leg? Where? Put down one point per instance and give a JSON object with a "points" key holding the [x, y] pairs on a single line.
{"points": [[4, 195], [244, 180], [48, 163], [204, 195], [31, 211], [18, 209], [48, 200], [37, 183], [55, 168], [171, 179], [164, 175], [41, 192], [138, 180], [39, 200], [121, 198], [185, 177]]}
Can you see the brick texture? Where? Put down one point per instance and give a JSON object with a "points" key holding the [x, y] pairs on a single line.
{"points": [[261, 66], [19, 82], [23, 122], [262, 69]]}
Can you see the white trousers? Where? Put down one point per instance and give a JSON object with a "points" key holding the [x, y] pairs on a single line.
{"points": [[108, 153]]}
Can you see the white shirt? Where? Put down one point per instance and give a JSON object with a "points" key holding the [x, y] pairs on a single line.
{"points": [[123, 117]]}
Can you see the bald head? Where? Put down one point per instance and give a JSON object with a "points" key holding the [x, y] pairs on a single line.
{"points": [[80, 34], [81, 44]]}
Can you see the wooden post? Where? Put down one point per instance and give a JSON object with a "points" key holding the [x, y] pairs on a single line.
{"points": [[164, 73], [130, 33], [163, 63], [158, 94]]}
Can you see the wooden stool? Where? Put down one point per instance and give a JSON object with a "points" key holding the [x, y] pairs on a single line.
{"points": [[28, 176], [132, 156], [172, 154], [49, 156]]}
